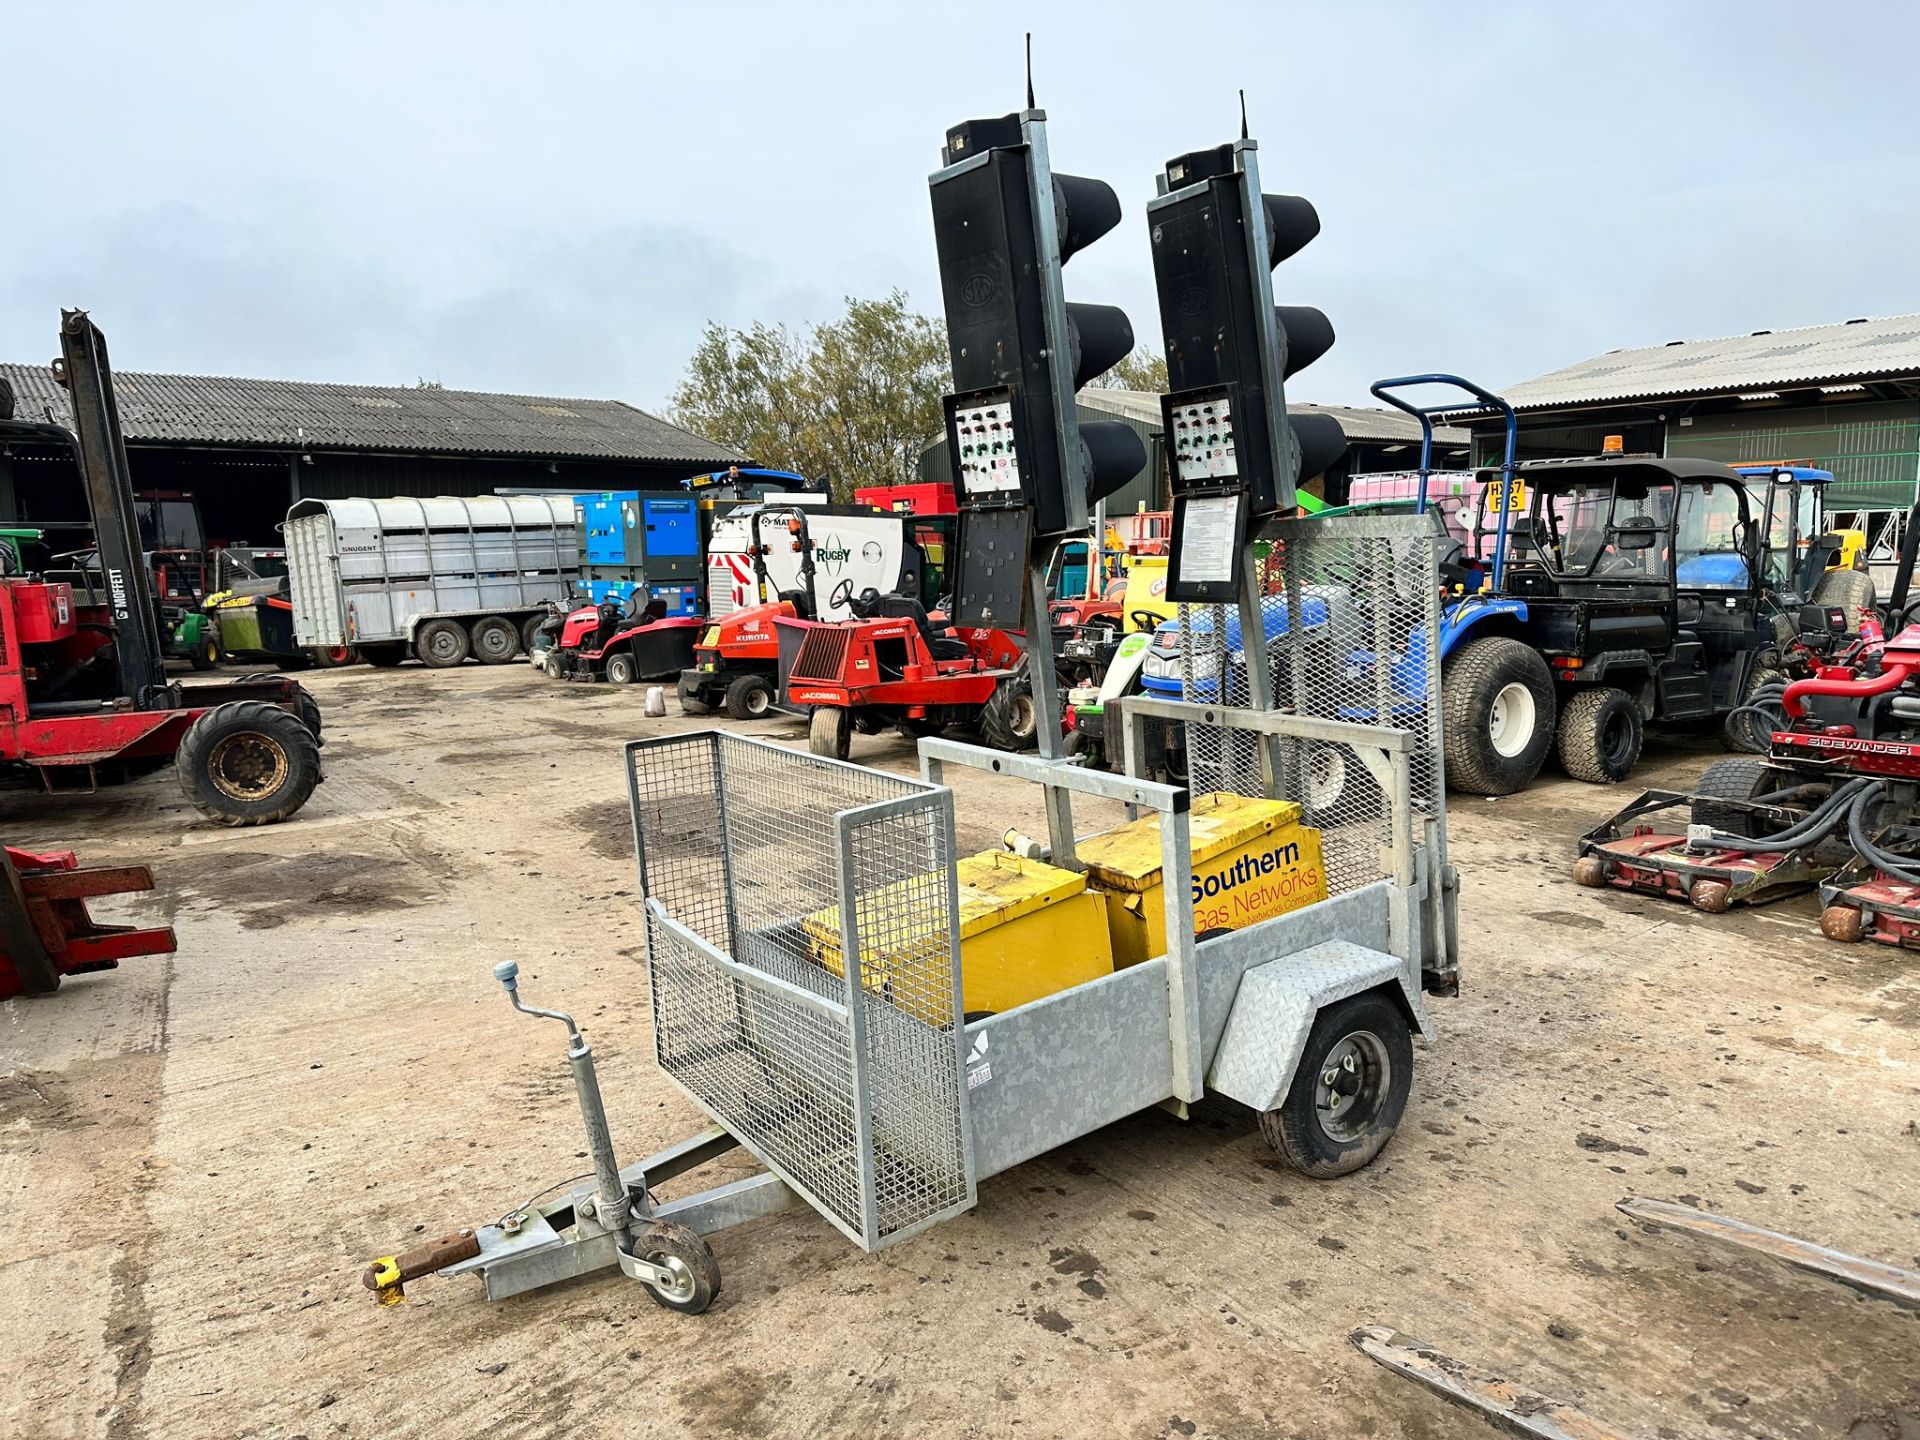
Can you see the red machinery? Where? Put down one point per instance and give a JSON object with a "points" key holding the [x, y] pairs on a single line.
{"points": [[737, 663], [84, 696], [1834, 803], [608, 642], [45, 930], [928, 499], [892, 667]]}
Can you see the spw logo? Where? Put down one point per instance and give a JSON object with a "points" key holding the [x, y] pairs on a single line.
{"points": [[832, 553]]}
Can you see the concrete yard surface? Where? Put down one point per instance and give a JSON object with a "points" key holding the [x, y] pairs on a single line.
{"points": [[199, 1154]]}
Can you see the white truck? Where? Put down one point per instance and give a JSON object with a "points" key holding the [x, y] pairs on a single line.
{"points": [[758, 554], [439, 579]]}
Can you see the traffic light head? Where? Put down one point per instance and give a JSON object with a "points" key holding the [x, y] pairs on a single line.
{"points": [[1231, 444], [1024, 467]]}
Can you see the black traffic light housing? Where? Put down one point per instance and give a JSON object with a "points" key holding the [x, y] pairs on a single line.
{"points": [[1234, 454], [1024, 469]]}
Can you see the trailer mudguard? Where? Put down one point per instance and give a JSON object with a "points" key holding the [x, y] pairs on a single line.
{"points": [[1458, 621], [1274, 1008]]}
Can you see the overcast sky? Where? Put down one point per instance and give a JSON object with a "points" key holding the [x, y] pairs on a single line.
{"points": [[554, 198]]}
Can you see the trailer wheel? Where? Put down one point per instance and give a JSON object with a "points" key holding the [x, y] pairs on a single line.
{"points": [[1599, 735], [1349, 1090], [696, 1274], [442, 644], [830, 732], [248, 762], [622, 668], [1498, 705], [384, 656], [749, 697], [1735, 778], [496, 640], [1009, 720]]}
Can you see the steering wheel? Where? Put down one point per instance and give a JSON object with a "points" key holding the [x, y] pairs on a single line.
{"points": [[1144, 620], [842, 595]]}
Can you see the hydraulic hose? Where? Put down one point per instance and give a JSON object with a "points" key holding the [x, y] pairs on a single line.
{"points": [[1900, 867], [1892, 678], [1819, 823]]}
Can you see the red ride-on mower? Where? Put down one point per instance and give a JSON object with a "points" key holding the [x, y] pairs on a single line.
{"points": [[892, 666], [1834, 802], [622, 644], [736, 665]]}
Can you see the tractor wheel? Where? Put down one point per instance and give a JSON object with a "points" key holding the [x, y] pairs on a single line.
{"points": [[1850, 591], [1349, 1089], [749, 697], [442, 644], [1748, 734], [383, 657], [1599, 735], [622, 668], [830, 732], [1498, 706], [248, 763], [206, 650], [696, 1274], [1009, 721], [496, 640], [1735, 778]]}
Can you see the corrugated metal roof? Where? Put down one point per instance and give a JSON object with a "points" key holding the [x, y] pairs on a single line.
{"points": [[297, 415], [1365, 426], [1857, 350]]}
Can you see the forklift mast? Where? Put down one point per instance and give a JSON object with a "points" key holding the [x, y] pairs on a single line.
{"points": [[84, 372]]}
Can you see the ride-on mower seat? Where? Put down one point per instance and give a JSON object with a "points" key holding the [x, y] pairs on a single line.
{"points": [[941, 644]]}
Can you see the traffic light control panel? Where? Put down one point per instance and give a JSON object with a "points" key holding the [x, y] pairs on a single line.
{"points": [[1203, 441], [986, 460]]}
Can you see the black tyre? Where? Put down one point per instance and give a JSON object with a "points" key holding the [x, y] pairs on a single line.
{"points": [[691, 702], [622, 668], [696, 1274], [309, 711], [496, 640], [1749, 734], [749, 697], [1349, 1091], [1599, 735], [529, 628], [248, 763], [206, 651], [384, 656], [830, 732], [1736, 778], [442, 644], [1850, 590], [1008, 721], [1497, 702]]}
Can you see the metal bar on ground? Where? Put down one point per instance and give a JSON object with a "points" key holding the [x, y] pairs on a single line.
{"points": [[1870, 1277], [1511, 1407], [1276, 722]]}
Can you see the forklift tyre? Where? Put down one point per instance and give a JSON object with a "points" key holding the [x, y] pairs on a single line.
{"points": [[1736, 778], [830, 732], [1498, 706], [1349, 1090], [696, 1273], [622, 668], [1008, 721], [442, 644], [749, 697], [309, 711], [248, 762], [1600, 735], [496, 640], [385, 656]]}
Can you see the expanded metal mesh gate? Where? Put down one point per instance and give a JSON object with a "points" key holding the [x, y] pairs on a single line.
{"points": [[763, 870], [1367, 590]]}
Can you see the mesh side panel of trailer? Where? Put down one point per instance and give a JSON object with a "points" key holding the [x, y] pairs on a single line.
{"points": [[1367, 592], [847, 1087]]}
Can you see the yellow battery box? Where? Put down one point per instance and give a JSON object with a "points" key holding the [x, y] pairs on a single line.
{"points": [[1027, 930], [1252, 860]]}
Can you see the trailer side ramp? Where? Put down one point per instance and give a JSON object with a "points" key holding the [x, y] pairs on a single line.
{"points": [[1274, 1008], [1508, 1406]]}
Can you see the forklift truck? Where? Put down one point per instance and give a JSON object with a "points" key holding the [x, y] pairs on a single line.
{"points": [[84, 697]]}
